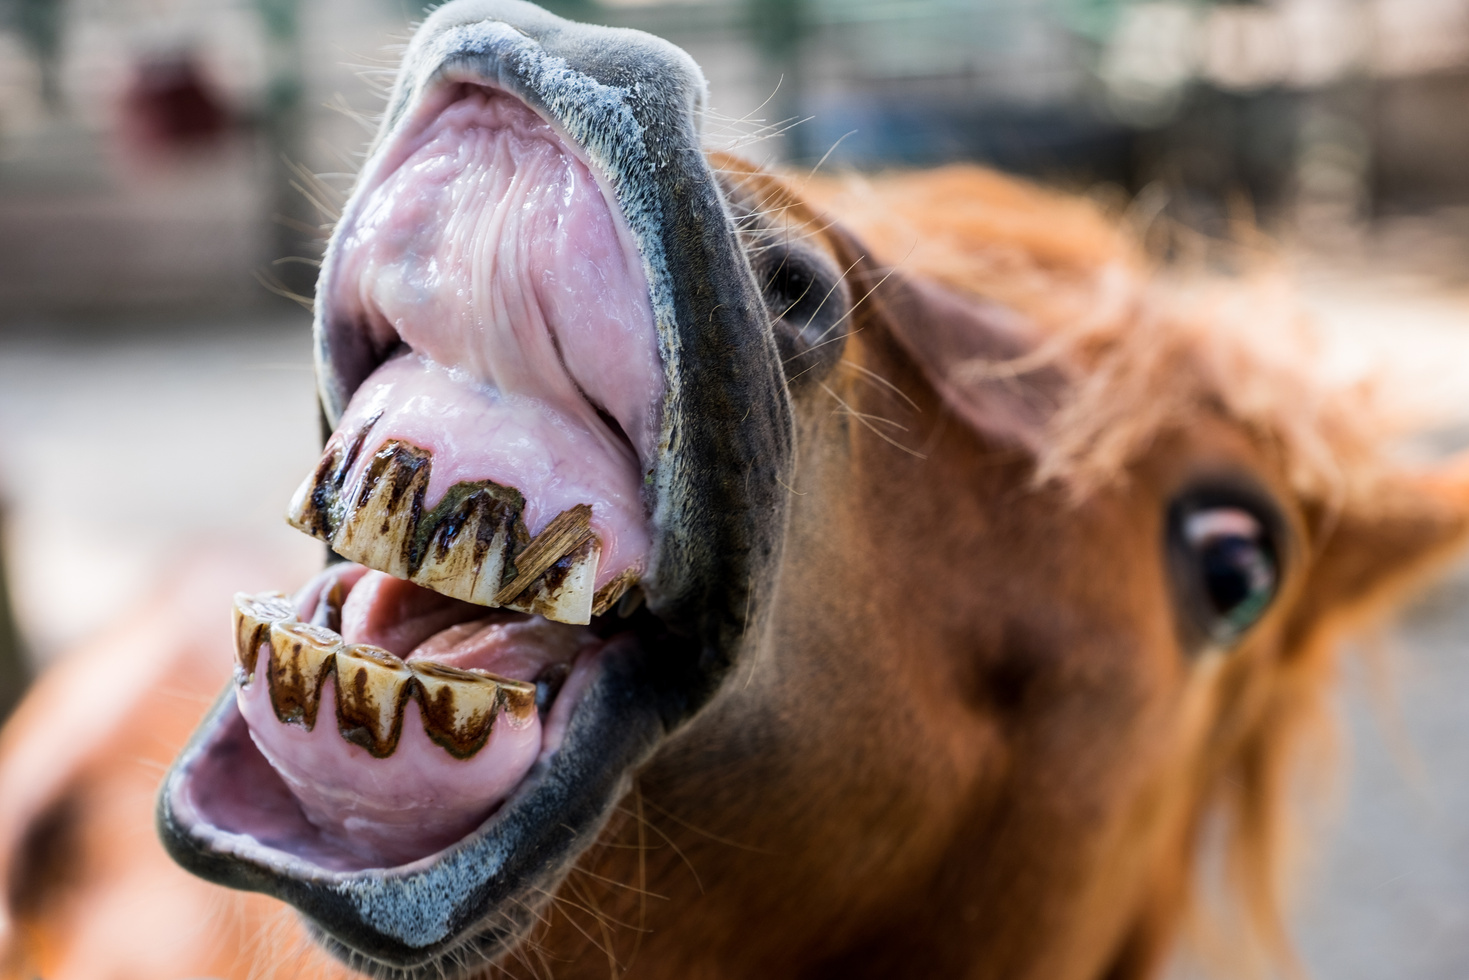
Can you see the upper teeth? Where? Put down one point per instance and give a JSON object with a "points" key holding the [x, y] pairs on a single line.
{"points": [[473, 545], [373, 687]]}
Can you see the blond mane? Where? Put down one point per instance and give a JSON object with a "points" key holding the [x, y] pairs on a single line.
{"points": [[1148, 346]]}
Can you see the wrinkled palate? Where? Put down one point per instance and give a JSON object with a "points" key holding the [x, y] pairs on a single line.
{"points": [[490, 299]]}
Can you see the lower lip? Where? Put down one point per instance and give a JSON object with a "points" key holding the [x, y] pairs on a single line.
{"points": [[371, 812], [396, 809], [232, 801]]}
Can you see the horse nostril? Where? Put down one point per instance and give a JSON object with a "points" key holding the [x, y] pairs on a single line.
{"points": [[808, 307]]}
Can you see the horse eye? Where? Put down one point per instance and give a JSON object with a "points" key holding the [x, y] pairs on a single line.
{"points": [[1231, 563]]}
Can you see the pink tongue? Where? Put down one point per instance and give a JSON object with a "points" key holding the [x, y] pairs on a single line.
{"points": [[494, 256], [396, 615]]}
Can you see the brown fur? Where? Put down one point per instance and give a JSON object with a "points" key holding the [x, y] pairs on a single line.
{"points": [[971, 745]]}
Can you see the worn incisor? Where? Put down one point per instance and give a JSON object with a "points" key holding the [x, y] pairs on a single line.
{"points": [[301, 655], [373, 686], [466, 549], [378, 523], [473, 545], [460, 706], [613, 592], [566, 591], [253, 617]]}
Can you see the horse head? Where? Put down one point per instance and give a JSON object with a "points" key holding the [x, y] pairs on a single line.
{"points": [[746, 576]]}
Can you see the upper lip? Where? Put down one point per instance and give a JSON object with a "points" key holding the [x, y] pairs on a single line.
{"points": [[713, 538]]}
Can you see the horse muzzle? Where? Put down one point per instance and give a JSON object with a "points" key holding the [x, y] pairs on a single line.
{"points": [[543, 356]]}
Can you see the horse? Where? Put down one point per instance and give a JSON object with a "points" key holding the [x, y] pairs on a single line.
{"points": [[744, 574]]}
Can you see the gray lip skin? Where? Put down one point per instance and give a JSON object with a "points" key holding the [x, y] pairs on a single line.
{"points": [[629, 103]]}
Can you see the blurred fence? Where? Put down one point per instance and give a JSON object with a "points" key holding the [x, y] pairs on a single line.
{"points": [[143, 143]]}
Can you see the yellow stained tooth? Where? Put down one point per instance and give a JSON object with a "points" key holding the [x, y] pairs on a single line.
{"points": [[565, 533], [565, 592], [555, 575], [464, 553], [310, 509], [460, 706], [301, 654], [316, 506], [518, 699], [612, 593], [381, 516], [463, 548], [253, 617], [373, 685]]}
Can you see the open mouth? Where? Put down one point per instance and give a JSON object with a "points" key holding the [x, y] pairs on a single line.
{"points": [[506, 372], [485, 479], [528, 361]]}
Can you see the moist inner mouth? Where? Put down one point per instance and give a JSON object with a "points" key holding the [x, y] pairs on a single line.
{"points": [[523, 367], [485, 479]]}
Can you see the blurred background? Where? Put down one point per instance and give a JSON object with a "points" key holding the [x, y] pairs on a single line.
{"points": [[167, 168]]}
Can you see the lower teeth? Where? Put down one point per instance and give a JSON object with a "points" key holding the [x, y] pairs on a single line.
{"points": [[301, 657], [253, 618], [373, 686]]}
